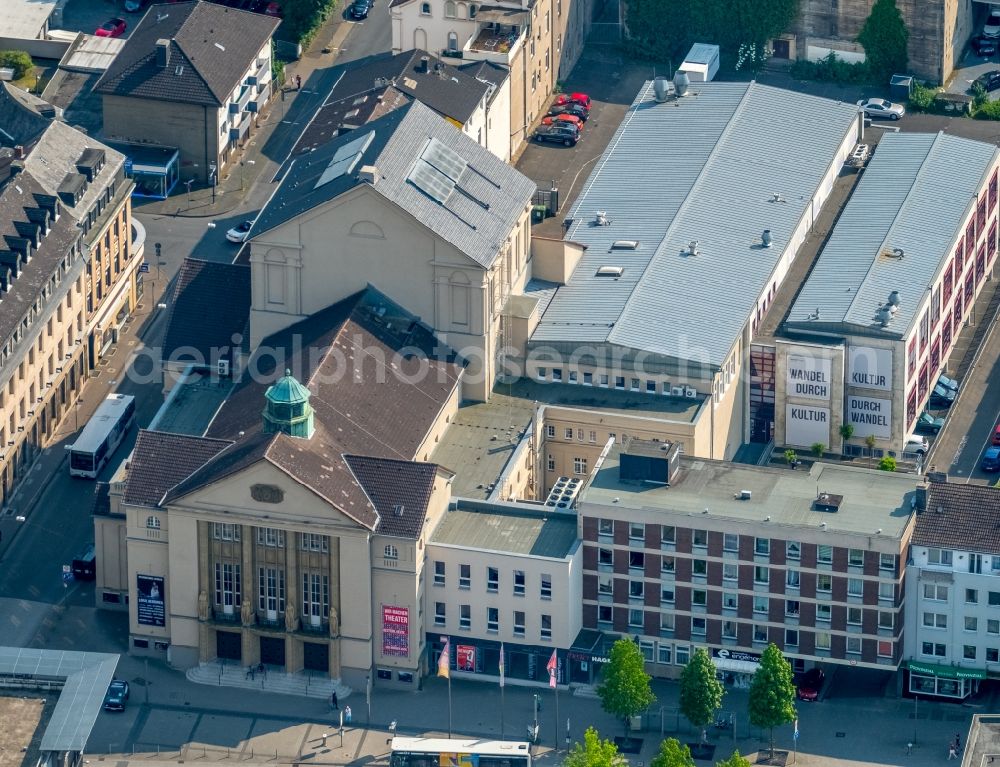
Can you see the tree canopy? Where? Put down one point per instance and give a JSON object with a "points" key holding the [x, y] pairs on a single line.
{"points": [[884, 37], [594, 752], [624, 687], [734, 761], [672, 754], [666, 30], [772, 693], [701, 692]]}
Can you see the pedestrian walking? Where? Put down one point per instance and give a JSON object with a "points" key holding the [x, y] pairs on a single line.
{"points": [[952, 754], [298, 82], [958, 742], [333, 701], [347, 714]]}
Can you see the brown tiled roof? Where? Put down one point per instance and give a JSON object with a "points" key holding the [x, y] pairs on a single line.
{"points": [[210, 304], [161, 460], [400, 491], [367, 407], [349, 113], [960, 517], [211, 46]]}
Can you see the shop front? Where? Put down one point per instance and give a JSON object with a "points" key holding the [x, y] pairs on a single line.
{"points": [[735, 668], [590, 651], [481, 657], [155, 170], [943, 681]]}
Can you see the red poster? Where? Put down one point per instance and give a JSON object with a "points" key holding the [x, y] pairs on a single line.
{"points": [[395, 631], [465, 657]]}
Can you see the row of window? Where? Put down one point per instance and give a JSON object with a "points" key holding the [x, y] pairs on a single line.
{"points": [[970, 623], [730, 630], [938, 592], [945, 558], [731, 542], [969, 652], [518, 580], [622, 383], [271, 589], [824, 585], [272, 537], [492, 620]]}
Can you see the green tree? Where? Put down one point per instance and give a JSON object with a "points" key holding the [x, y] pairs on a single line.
{"points": [[884, 37], [888, 463], [672, 754], [701, 691], [870, 444], [846, 432], [734, 761], [594, 752], [19, 61], [772, 693], [624, 687]]}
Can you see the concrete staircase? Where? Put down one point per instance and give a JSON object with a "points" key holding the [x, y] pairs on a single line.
{"points": [[275, 681], [585, 691]]}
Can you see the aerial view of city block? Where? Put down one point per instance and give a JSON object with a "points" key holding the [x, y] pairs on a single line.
{"points": [[484, 383]]}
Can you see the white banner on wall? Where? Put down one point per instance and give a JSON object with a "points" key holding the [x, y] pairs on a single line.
{"points": [[808, 377], [806, 425], [870, 368], [869, 415]]}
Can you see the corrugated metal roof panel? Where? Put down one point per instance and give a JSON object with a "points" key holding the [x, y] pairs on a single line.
{"points": [[700, 168], [914, 196]]}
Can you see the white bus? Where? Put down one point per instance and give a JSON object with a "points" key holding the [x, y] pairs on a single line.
{"points": [[459, 752], [101, 436]]}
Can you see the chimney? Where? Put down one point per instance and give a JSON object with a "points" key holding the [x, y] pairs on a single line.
{"points": [[163, 53], [368, 174], [19, 152], [425, 63]]}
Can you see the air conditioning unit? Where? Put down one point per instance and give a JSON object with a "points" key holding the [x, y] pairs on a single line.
{"points": [[690, 393], [677, 391], [223, 368]]}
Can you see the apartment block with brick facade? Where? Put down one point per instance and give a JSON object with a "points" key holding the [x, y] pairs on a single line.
{"points": [[682, 553]]}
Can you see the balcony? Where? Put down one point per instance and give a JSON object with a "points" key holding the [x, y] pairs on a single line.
{"points": [[496, 41], [277, 623], [221, 616], [321, 628]]}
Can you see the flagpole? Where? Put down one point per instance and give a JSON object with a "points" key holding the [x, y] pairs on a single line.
{"points": [[449, 706], [501, 713], [556, 688], [502, 680]]}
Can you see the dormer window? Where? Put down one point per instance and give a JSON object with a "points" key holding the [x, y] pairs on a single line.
{"points": [[425, 9]]}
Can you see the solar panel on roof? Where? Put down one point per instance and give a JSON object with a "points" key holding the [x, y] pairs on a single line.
{"points": [[431, 181], [444, 158]]}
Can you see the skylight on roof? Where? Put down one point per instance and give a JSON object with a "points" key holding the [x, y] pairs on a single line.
{"points": [[431, 181], [437, 170], [345, 159], [445, 159]]}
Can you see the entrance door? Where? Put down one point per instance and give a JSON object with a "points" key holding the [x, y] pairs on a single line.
{"points": [[781, 49], [228, 645], [272, 651], [273, 587], [315, 657]]}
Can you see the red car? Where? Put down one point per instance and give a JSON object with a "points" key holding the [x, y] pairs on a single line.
{"points": [[811, 684], [573, 98], [111, 28], [573, 120], [273, 9], [996, 436]]}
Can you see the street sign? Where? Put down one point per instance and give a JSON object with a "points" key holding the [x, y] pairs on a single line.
{"points": [[144, 267]]}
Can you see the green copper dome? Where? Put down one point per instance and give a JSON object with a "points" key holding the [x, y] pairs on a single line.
{"points": [[288, 409]]}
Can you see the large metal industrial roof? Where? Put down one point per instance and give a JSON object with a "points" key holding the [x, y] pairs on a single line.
{"points": [[915, 195], [87, 676], [702, 168]]}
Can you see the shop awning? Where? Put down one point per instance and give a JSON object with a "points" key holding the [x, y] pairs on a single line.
{"points": [[737, 666], [948, 672]]}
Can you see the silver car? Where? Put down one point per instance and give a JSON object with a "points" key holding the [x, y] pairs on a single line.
{"points": [[882, 108]]}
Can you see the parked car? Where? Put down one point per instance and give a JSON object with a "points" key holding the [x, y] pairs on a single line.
{"points": [[360, 9], [928, 424], [558, 134], [991, 459], [882, 108], [811, 684], [133, 6], [273, 9], [949, 383], [577, 110], [916, 444], [990, 80], [116, 696], [984, 46], [992, 26], [239, 233], [573, 120], [996, 435], [942, 397], [573, 98], [111, 28]]}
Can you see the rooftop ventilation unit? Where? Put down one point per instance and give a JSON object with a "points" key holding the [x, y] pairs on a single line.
{"points": [[681, 82], [894, 298], [765, 239], [610, 271], [625, 245], [564, 492], [828, 502], [601, 218], [663, 89], [776, 197], [884, 316], [692, 248], [744, 495]]}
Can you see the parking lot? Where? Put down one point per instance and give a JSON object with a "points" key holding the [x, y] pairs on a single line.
{"points": [[88, 15]]}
